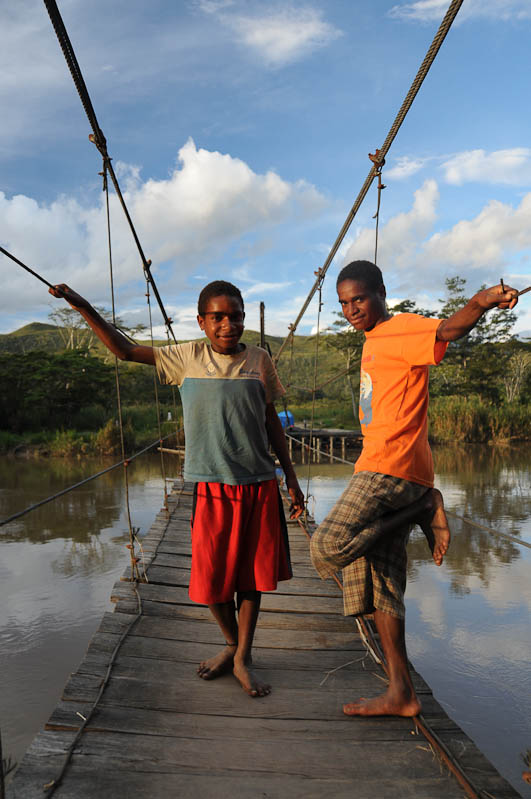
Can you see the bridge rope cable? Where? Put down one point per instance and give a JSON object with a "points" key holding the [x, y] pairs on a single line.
{"points": [[135, 571], [67, 490], [429, 58], [50, 787], [316, 361], [99, 140], [373, 648], [465, 519], [157, 403]]}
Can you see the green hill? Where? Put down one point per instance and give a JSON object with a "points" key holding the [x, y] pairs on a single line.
{"points": [[295, 368], [35, 336]]}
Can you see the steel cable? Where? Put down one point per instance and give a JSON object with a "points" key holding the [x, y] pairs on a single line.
{"points": [[429, 58], [99, 140]]}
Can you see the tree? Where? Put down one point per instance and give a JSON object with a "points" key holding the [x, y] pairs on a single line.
{"points": [[74, 331], [40, 389], [518, 369], [476, 363]]}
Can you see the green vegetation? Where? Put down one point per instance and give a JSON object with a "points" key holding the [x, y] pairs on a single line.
{"points": [[58, 387]]}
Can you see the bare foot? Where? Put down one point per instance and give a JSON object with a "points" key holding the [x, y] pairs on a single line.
{"points": [[384, 705], [434, 525], [218, 665], [248, 681]]}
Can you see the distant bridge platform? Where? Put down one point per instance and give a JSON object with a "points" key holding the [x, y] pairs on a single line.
{"points": [[321, 443]]}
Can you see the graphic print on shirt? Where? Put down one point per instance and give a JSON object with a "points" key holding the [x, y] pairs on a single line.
{"points": [[365, 397]]}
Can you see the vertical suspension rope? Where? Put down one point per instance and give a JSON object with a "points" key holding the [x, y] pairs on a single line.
{"points": [[378, 162], [177, 443], [157, 404], [321, 276], [135, 572]]}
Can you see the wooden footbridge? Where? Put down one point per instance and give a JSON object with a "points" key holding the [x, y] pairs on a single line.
{"points": [[159, 730]]}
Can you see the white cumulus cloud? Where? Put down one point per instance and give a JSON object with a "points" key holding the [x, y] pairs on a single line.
{"points": [[280, 35], [486, 241], [511, 166], [405, 167], [400, 236], [210, 201], [434, 10]]}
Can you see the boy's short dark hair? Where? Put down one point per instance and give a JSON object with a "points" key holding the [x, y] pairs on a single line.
{"points": [[217, 288], [363, 271]]}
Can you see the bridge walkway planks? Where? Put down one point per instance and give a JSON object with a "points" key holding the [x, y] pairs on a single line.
{"points": [[159, 730]]}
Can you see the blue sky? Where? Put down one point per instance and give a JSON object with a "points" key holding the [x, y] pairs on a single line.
{"points": [[240, 132]]}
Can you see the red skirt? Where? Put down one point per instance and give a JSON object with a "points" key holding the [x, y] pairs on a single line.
{"points": [[239, 540]]}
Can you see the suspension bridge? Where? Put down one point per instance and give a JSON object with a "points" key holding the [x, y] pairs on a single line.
{"points": [[136, 718]]}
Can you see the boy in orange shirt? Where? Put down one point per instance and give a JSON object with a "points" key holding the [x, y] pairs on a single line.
{"points": [[366, 532]]}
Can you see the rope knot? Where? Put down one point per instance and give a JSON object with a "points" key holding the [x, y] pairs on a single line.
{"points": [[377, 159]]}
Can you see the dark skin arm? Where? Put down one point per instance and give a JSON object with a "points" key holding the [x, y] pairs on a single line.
{"points": [[117, 343], [463, 320], [277, 439]]}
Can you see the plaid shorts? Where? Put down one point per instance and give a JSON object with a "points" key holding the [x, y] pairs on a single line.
{"points": [[350, 538]]}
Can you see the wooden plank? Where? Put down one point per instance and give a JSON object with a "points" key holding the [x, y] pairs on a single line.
{"points": [[89, 783], [287, 621], [173, 575], [270, 601], [354, 760], [194, 652], [160, 722], [205, 632], [225, 697]]}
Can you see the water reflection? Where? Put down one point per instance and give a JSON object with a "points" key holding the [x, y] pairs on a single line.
{"points": [[57, 567], [468, 630], [78, 516]]}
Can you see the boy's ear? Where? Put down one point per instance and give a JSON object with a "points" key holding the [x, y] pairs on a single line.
{"points": [[201, 322]]}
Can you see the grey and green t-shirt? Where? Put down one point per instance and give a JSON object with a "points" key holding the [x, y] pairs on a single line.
{"points": [[224, 399]]}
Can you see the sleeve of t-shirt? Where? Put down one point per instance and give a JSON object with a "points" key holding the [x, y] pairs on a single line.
{"points": [[419, 344], [273, 387], [171, 363]]}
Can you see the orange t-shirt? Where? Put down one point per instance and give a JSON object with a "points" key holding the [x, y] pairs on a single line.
{"points": [[394, 397]]}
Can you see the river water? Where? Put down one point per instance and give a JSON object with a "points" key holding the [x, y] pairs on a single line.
{"points": [[468, 630]]}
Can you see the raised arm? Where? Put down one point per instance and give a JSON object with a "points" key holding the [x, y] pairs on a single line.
{"points": [[463, 320], [277, 439], [115, 341]]}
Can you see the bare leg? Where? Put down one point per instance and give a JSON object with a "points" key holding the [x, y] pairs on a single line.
{"points": [[434, 525], [428, 512], [225, 615], [400, 698], [248, 610]]}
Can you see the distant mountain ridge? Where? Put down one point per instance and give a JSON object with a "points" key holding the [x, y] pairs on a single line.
{"points": [[44, 336]]}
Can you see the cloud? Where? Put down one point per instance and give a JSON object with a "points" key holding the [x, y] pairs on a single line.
{"points": [[405, 168], [484, 242], [512, 167], [210, 201], [434, 10], [263, 287], [496, 241], [400, 236], [280, 36]]}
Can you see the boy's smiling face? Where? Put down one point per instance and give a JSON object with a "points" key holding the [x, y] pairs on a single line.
{"points": [[222, 323], [363, 308]]}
